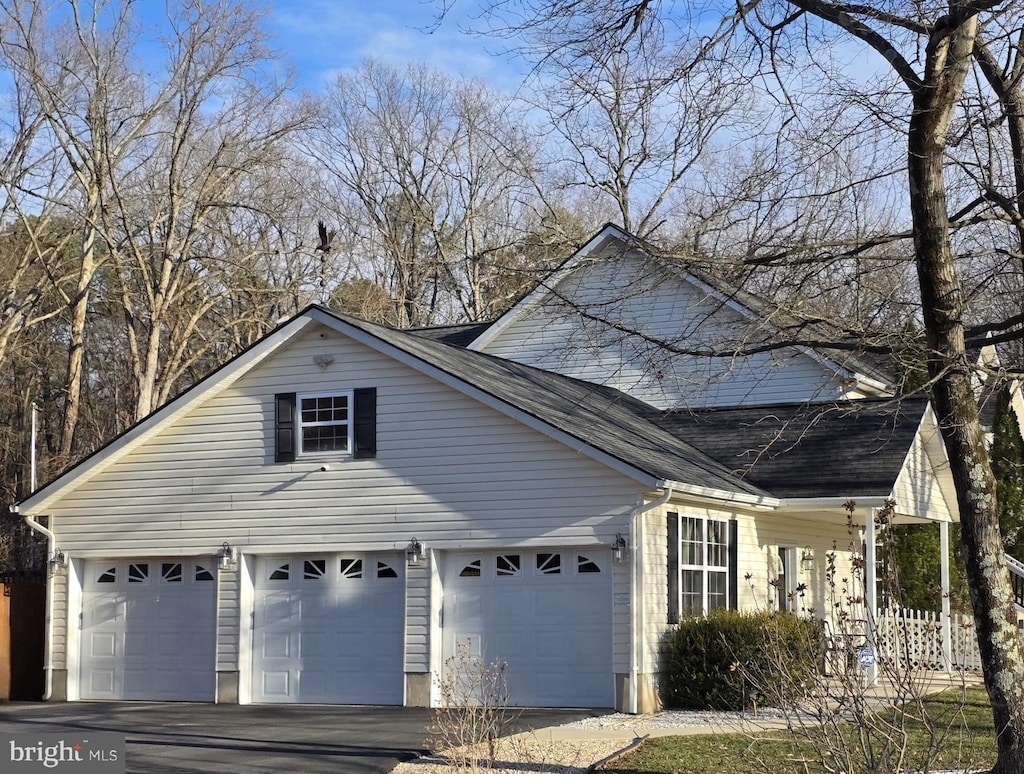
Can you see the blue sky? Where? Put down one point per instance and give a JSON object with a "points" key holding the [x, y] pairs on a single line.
{"points": [[321, 37]]}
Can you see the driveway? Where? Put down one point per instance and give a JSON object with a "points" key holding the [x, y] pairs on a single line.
{"points": [[187, 738]]}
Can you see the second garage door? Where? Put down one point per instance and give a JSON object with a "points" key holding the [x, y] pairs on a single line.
{"points": [[546, 613], [329, 629]]}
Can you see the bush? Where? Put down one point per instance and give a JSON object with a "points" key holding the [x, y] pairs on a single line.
{"points": [[730, 660]]}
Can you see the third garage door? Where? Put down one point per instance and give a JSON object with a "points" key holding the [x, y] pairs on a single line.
{"points": [[329, 629], [546, 613]]}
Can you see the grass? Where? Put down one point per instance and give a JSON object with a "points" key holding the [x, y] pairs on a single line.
{"points": [[955, 730]]}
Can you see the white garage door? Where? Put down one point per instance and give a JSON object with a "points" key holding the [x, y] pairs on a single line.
{"points": [[329, 629], [547, 614], [149, 630]]}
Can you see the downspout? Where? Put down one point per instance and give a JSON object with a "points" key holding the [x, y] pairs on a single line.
{"points": [[51, 547], [636, 591]]}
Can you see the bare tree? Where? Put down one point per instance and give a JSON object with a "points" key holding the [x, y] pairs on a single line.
{"points": [[923, 57], [634, 123]]}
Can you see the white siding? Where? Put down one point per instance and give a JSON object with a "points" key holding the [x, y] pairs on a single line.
{"points": [[917, 491], [584, 331], [229, 614], [759, 536], [621, 623], [449, 470], [58, 646], [417, 617]]}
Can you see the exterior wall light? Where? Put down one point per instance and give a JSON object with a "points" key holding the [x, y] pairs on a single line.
{"points": [[414, 553], [323, 360], [807, 559], [225, 557], [59, 561], [619, 548]]}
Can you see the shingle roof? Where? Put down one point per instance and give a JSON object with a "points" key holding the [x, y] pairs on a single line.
{"points": [[601, 417], [847, 449], [455, 335]]}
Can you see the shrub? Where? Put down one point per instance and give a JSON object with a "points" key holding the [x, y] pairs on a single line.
{"points": [[731, 660]]}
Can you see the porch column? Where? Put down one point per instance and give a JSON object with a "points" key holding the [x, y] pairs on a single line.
{"points": [[947, 632], [871, 593]]}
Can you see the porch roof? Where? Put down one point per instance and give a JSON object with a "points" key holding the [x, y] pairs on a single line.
{"points": [[849, 449]]}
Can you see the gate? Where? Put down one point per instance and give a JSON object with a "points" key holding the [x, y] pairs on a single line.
{"points": [[22, 636]]}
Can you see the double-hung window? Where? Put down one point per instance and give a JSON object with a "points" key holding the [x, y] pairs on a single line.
{"points": [[325, 423], [699, 555], [340, 423]]}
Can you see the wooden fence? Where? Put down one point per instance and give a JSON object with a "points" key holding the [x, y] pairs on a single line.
{"points": [[22, 636]]}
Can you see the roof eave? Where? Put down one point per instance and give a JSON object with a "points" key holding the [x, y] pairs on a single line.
{"points": [[719, 496], [39, 501]]}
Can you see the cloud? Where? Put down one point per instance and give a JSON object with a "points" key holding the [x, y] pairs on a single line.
{"points": [[324, 37]]}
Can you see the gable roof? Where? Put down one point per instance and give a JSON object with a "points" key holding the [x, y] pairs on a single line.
{"points": [[855, 448], [600, 417], [863, 367], [596, 421], [755, 455]]}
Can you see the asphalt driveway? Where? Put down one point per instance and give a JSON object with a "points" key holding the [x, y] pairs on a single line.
{"points": [[179, 738]]}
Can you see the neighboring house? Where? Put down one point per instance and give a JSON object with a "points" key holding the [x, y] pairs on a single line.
{"points": [[326, 517]]}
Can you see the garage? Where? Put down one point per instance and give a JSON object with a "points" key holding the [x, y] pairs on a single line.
{"points": [[329, 629], [546, 613], [149, 630]]}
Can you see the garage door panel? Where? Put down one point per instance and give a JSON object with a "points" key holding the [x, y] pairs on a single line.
{"points": [[546, 613], [145, 637], [344, 626]]}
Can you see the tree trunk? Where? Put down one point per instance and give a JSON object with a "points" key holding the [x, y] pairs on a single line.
{"points": [[943, 309]]}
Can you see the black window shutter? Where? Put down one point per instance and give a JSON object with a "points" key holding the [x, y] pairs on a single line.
{"points": [[734, 564], [366, 422], [673, 568], [284, 427]]}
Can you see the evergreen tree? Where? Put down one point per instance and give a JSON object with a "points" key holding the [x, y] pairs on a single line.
{"points": [[1007, 454]]}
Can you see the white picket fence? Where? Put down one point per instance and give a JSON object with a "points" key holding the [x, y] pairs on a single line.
{"points": [[915, 638]]}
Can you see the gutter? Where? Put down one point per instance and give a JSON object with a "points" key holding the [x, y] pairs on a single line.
{"points": [[636, 591], [51, 543], [719, 496]]}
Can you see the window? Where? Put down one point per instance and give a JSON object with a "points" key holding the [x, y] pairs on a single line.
{"points": [[314, 569], [324, 423], [471, 570], [282, 573], [138, 573], [385, 570], [170, 572], [701, 564], [336, 423], [586, 565], [352, 569], [549, 564], [508, 565], [203, 574]]}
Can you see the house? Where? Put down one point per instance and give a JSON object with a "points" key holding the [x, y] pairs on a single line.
{"points": [[330, 514]]}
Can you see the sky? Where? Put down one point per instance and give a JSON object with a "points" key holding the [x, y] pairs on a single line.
{"points": [[321, 37]]}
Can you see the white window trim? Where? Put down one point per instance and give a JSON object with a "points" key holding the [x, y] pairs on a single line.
{"points": [[705, 568], [300, 451]]}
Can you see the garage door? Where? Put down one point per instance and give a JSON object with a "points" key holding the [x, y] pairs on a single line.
{"points": [[547, 614], [329, 629], [149, 630]]}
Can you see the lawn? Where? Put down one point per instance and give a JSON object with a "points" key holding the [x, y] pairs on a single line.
{"points": [[961, 736]]}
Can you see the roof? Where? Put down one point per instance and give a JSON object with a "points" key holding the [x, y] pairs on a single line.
{"points": [[455, 335], [598, 416], [743, 302], [850, 448]]}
